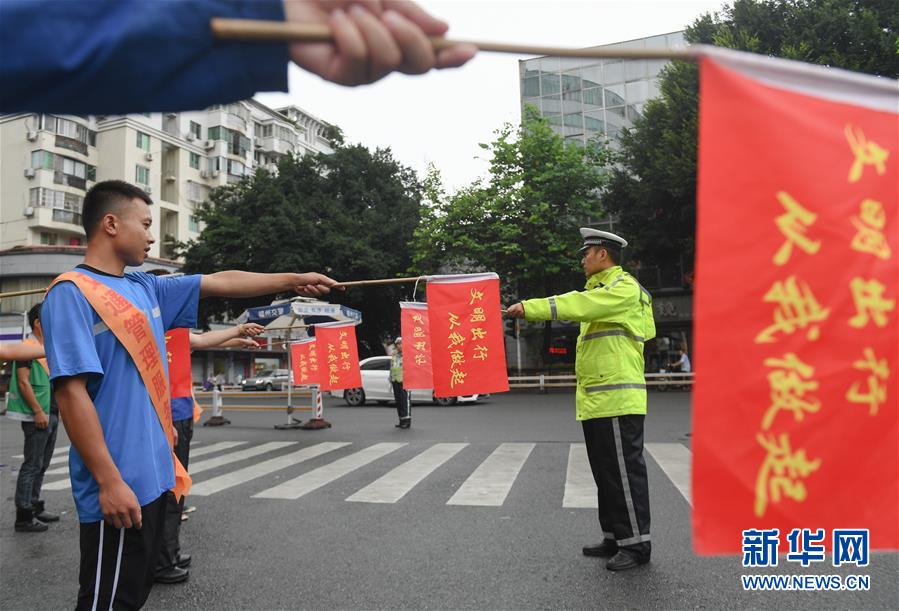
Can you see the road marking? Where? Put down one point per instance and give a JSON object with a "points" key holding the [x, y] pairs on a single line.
{"points": [[216, 447], [394, 485], [490, 483], [57, 454], [580, 489], [227, 459], [203, 465], [674, 459], [228, 480], [315, 479]]}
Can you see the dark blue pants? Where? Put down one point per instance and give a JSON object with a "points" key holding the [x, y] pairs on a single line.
{"points": [[39, 444]]}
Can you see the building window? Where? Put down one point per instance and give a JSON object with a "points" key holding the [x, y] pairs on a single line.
{"points": [[195, 129], [215, 133], [142, 175], [193, 224], [48, 239], [143, 141], [195, 161], [42, 160]]}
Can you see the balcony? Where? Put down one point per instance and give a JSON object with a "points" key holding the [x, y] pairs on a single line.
{"points": [[273, 144], [71, 144], [60, 178]]}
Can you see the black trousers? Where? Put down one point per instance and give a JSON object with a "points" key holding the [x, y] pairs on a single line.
{"points": [[402, 401], [615, 451], [118, 564], [171, 532]]}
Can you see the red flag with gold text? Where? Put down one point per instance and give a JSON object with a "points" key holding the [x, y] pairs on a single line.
{"points": [[796, 404], [338, 356], [304, 362], [465, 320], [416, 335], [177, 348]]}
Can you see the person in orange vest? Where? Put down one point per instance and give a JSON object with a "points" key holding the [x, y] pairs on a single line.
{"points": [[104, 337], [31, 402]]}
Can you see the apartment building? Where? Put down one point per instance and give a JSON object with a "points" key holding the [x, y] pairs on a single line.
{"points": [[48, 162]]}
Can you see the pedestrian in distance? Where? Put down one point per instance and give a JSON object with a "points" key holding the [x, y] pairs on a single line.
{"points": [[81, 57], [616, 319], [104, 338], [400, 396], [31, 402]]}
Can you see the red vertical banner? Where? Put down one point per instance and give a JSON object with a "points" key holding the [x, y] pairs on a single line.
{"points": [[177, 348], [416, 334], [338, 356], [465, 320], [304, 362], [796, 404]]}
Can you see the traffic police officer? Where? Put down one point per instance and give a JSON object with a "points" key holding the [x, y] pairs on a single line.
{"points": [[615, 313], [396, 381]]}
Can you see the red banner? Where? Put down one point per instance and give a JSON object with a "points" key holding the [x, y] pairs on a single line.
{"points": [[304, 362], [796, 408], [416, 346], [338, 356], [177, 348], [469, 355]]}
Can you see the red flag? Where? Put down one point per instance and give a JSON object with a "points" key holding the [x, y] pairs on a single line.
{"points": [[304, 362], [177, 347], [796, 409], [416, 345], [338, 356], [469, 355]]}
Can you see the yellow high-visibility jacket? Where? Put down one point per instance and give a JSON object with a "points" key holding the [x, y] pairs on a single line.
{"points": [[615, 313]]}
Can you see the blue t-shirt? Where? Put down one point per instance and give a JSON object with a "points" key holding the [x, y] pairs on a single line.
{"points": [[182, 408], [78, 342]]}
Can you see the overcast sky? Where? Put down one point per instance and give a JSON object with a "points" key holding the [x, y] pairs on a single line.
{"points": [[442, 116]]}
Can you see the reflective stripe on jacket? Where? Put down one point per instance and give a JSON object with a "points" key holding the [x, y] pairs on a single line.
{"points": [[615, 313], [396, 367]]}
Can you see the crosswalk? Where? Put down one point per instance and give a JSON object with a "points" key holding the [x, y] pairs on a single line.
{"points": [[276, 470]]}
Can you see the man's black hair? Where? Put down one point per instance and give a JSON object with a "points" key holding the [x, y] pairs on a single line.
{"points": [[34, 314], [105, 197]]}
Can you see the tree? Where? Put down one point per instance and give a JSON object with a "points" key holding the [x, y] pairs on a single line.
{"points": [[522, 222], [653, 185], [350, 215]]}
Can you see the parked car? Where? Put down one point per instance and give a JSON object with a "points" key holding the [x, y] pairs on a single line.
{"points": [[376, 387], [270, 379]]}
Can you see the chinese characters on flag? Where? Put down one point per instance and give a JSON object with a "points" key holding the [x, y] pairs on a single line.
{"points": [[468, 349], [338, 357], [796, 421], [304, 362], [177, 349], [416, 345]]}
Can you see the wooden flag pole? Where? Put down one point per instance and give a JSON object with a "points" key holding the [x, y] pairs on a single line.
{"points": [[21, 293], [253, 29], [377, 282]]}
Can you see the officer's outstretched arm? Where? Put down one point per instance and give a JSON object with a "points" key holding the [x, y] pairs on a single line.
{"points": [[604, 304]]}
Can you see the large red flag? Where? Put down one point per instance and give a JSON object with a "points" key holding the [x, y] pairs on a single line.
{"points": [[796, 409], [416, 345], [338, 357], [177, 348], [304, 361], [465, 319]]}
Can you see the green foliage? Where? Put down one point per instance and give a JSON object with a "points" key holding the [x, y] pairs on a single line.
{"points": [[653, 187], [522, 221], [349, 215]]}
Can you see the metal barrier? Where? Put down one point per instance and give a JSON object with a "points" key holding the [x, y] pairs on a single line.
{"points": [[314, 407], [660, 381]]}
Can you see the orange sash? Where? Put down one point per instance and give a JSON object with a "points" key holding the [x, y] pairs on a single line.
{"points": [[42, 361], [131, 327]]}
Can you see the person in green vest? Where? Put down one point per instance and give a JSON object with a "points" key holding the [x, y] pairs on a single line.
{"points": [[616, 319], [31, 402], [396, 381]]}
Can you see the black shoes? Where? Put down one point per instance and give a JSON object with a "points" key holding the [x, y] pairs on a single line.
{"points": [[183, 561], [172, 575], [25, 522], [42, 514], [404, 424], [606, 549], [624, 560]]}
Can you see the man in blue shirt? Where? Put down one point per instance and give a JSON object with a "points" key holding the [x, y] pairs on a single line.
{"points": [[125, 56], [120, 463]]}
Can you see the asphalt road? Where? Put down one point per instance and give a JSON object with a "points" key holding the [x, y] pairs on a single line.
{"points": [[329, 549]]}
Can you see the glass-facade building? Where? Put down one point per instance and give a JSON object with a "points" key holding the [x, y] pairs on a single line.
{"points": [[586, 97]]}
